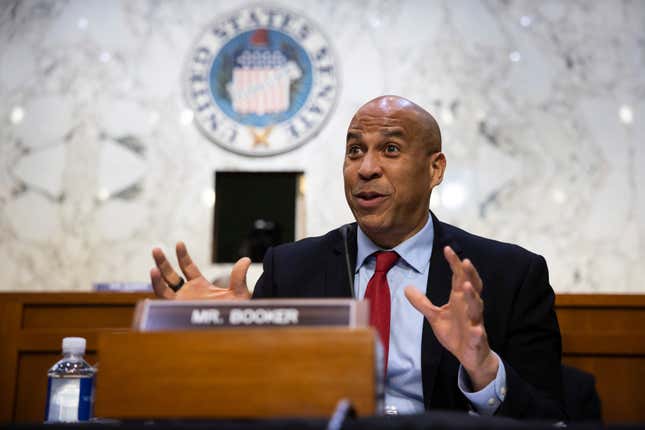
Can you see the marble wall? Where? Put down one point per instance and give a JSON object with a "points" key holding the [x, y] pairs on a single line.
{"points": [[540, 103]]}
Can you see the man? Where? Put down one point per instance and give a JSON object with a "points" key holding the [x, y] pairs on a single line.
{"points": [[489, 341]]}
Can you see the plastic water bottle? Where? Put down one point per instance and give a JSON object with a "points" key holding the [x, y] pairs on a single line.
{"points": [[70, 386]]}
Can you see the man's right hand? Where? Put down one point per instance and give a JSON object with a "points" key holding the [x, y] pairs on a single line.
{"points": [[196, 286]]}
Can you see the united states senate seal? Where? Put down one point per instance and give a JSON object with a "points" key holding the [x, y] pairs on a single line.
{"points": [[261, 80]]}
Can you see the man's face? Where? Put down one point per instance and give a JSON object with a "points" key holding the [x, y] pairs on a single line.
{"points": [[389, 171]]}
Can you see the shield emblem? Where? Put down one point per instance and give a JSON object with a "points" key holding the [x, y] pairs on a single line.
{"points": [[262, 78]]}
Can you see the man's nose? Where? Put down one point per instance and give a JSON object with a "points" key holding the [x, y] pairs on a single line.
{"points": [[370, 167]]}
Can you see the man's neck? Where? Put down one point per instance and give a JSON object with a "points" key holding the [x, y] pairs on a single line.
{"points": [[389, 240]]}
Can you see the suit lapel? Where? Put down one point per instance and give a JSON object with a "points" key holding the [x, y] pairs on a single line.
{"points": [[438, 291], [337, 274]]}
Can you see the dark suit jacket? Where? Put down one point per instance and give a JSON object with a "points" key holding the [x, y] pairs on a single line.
{"points": [[581, 400], [519, 316]]}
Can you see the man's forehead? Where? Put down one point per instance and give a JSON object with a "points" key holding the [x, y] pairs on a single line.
{"points": [[385, 131], [392, 116], [386, 124]]}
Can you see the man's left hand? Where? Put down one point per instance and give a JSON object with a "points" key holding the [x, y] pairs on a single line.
{"points": [[459, 324]]}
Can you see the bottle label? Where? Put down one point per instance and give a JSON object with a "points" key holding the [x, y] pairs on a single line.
{"points": [[69, 399], [85, 407]]}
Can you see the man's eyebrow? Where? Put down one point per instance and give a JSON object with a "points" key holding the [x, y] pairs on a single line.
{"points": [[353, 135], [396, 132]]}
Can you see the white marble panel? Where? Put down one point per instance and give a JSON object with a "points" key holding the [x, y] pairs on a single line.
{"points": [[45, 121], [119, 169], [43, 170], [540, 103], [34, 218]]}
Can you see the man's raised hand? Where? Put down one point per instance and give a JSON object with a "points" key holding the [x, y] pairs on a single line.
{"points": [[459, 324], [196, 287]]}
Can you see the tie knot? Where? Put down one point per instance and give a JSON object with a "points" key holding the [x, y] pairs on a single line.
{"points": [[385, 260]]}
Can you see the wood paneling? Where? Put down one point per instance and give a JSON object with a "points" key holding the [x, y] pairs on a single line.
{"points": [[32, 326], [619, 381], [9, 331], [603, 334], [35, 316]]}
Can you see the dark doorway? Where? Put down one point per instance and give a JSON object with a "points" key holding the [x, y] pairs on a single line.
{"points": [[253, 211]]}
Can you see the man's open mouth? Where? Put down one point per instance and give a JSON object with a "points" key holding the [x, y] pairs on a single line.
{"points": [[369, 195], [369, 198]]}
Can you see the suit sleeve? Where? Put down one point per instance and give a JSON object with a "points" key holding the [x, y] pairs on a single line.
{"points": [[265, 287], [532, 354]]}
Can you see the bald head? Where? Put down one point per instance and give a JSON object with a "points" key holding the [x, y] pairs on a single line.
{"points": [[426, 126], [393, 160]]}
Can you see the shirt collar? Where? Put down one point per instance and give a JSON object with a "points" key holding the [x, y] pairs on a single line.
{"points": [[415, 251]]}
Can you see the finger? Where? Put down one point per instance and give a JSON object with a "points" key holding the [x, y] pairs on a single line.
{"points": [[453, 261], [238, 277], [159, 286], [472, 275], [191, 271], [167, 272], [421, 303], [474, 304]]}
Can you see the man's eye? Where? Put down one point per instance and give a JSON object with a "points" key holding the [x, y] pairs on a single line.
{"points": [[391, 148], [353, 150]]}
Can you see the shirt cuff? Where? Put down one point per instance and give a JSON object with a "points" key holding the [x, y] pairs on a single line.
{"points": [[488, 399]]}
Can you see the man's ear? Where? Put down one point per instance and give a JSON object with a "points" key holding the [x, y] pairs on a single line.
{"points": [[437, 167]]}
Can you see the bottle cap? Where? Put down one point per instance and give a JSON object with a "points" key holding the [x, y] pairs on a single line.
{"points": [[75, 345]]}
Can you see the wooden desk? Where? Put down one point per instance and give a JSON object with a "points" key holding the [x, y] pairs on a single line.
{"points": [[236, 373], [602, 334]]}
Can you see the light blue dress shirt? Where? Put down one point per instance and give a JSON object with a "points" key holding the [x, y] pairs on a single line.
{"points": [[403, 386]]}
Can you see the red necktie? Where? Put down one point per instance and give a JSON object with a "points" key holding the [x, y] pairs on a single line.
{"points": [[378, 293]]}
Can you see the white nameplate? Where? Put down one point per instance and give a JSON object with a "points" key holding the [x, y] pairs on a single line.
{"points": [[157, 315]]}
